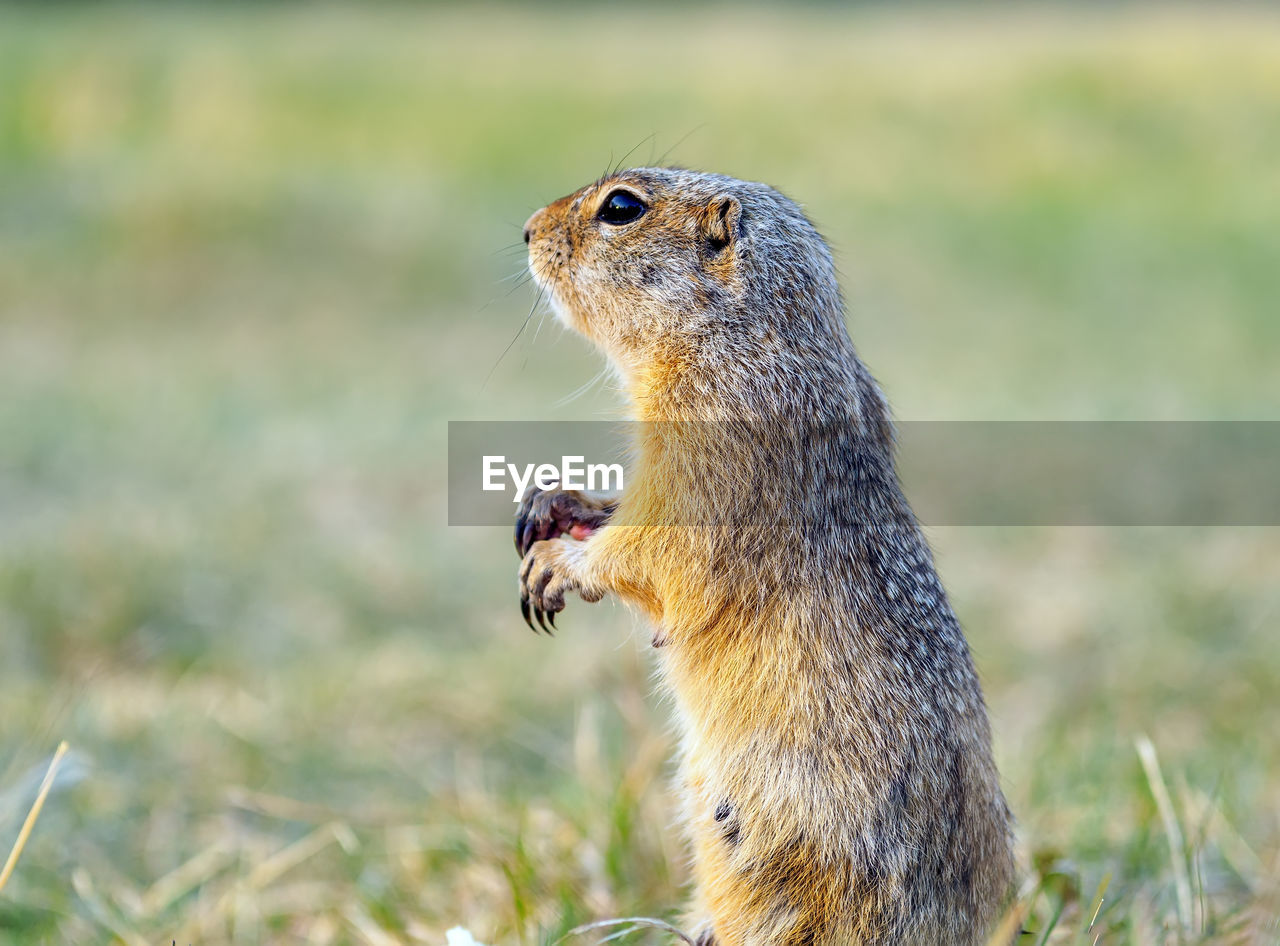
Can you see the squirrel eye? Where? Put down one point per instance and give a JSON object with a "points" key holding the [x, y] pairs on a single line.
{"points": [[621, 207]]}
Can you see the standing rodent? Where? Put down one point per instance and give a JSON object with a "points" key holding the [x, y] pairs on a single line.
{"points": [[835, 752]]}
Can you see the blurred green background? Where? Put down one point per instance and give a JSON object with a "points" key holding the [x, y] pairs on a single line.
{"points": [[253, 259]]}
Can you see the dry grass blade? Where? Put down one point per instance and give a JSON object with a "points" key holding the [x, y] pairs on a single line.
{"points": [[636, 922], [1011, 923], [267, 872], [1172, 830], [302, 850], [367, 927], [102, 911], [1234, 848], [32, 815], [1098, 898], [185, 878]]}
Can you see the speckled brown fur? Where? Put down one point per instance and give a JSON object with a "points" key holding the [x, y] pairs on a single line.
{"points": [[836, 766]]}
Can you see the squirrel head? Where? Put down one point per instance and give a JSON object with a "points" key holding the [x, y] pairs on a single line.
{"points": [[655, 264], [711, 296]]}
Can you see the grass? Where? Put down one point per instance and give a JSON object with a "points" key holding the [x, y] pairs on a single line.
{"points": [[253, 259]]}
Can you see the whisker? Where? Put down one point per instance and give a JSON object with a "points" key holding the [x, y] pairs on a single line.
{"points": [[537, 329], [522, 273], [515, 338], [508, 248], [683, 138], [520, 283], [649, 137], [584, 388], [521, 278]]}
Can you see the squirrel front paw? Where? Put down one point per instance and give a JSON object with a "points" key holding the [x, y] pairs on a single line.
{"points": [[549, 571], [550, 513]]}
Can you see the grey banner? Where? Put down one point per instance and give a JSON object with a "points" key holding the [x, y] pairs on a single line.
{"points": [[1121, 473]]}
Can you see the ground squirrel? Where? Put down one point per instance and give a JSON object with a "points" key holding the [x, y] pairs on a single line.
{"points": [[836, 768]]}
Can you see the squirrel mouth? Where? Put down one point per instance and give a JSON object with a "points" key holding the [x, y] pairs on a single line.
{"points": [[542, 267], [539, 274]]}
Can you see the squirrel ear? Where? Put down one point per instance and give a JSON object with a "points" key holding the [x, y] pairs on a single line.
{"points": [[721, 223]]}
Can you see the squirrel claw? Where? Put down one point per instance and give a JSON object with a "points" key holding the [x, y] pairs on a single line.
{"points": [[524, 611], [549, 514], [526, 534], [544, 581], [532, 612]]}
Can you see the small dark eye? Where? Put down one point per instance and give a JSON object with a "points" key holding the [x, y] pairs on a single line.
{"points": [[621, 207]]}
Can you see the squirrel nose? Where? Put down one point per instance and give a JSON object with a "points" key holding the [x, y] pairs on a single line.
{"points": [[528, 225]]}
